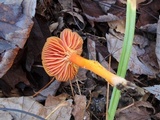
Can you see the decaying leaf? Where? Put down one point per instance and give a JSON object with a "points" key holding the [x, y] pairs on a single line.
{"points": [[106, 4], [138, 111], [158, 42], [98, 15], [62, 108], [15, 26], [50, 90], [155, 90], [91, 48], [157, 116], [151, 28], [135, 65], [56, 108], [79, 107], [5, 115], [118, 25], [148, 13], [14, 76], [22, 103], [70, 8]]}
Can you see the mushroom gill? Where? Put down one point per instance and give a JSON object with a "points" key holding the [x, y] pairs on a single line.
{"points": [[56, 53]]}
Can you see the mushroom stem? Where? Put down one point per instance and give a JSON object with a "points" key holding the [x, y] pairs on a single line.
{"points": [[98, 69]]}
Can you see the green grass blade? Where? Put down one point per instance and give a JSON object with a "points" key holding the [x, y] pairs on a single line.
{"points": [[124, 59]]}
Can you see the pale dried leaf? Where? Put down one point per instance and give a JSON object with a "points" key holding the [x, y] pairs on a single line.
{"points": [[118, 25], [77, 15], [66, 4], [139, 111], [152, 28], [22, 103], [92, 51], [4, 115], [106, 4], [7, 60], [158, 115], [155, 90], [5, 45], [81, 75], [158, 42], [17, 16], [50, 90], [102, 18], [53, 26], [135, 65], [79, 107], [91, 48], [62, 108]]}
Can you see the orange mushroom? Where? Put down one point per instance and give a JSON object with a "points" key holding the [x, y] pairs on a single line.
{"points": [[61, 59]]}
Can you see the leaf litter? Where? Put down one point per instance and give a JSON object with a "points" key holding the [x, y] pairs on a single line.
{"points": [[102, 31]]}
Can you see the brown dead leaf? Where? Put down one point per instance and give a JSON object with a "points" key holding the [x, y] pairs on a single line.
{"points": [[106, 4], [50, 90], [70, 8], [139, 111], [81, 75], [5, 115], [7, 60], [158, 42], [79, 107], [138, 50], [155, 90], [14, 76], [148, 13], [118, 25], [97, 15], [59, 106], [54, 100], [157, 116], [11, 13], [15, 25], [26, 104], [91, 49]]}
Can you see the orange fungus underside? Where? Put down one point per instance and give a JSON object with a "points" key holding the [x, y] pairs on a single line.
{"points": [[56, 53]]}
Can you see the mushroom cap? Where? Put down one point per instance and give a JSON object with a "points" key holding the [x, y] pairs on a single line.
{"points": [[56, 53]]}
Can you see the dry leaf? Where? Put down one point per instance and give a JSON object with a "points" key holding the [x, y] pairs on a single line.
{"points": [[17, 16], [135, 65], [50, 90], [158, 42], [151, 28], [5, 115], [155, 90], [148, 13], [157, 116], [57, 108], [91, 49], [139, 111], [62, 108], [98, 15], [22, 103], [106, 4], [14, 76], [118, 25], [79, 107]]}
